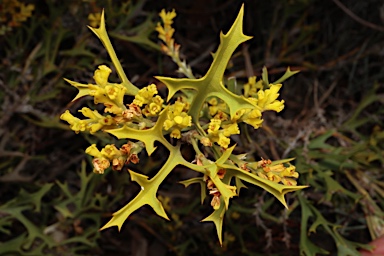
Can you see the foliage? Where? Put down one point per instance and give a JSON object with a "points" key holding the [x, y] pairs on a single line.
{"points": [[331, 128], [183, 118]]}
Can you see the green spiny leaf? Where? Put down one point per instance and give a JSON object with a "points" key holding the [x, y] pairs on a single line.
{"points": [[102, 34], [202, 183], [217, 217], [278, 190], [83, 89], [211, 84], [148, 136], [288, 73], [149, 188]]}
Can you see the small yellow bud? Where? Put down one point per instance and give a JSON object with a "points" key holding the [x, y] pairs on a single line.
{"points": [[176, 133]]}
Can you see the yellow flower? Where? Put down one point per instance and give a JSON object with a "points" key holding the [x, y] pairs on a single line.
{"points": [[167, 17], [111, 95], [166, 32], [107, 120], [95, 127], [223, 141], [145, 95], [90, 114], [279, 173], [183, 120], [100, 164], [168, 124], [93, 151], [67, 116], [101, 75], [214, 126], [112, 108], [176, 133], [253, 117], [93, 124], [266, 100], [217, 107], [177, 119], [115, 92], [221, 135], [213, 101], [238, 115], [230, 129], [76, 124], [154, 106], [110, 152]]}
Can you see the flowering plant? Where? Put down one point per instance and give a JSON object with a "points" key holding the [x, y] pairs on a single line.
{"points": [[202, 112]]}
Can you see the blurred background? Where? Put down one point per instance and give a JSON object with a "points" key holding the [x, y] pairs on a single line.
{"points": [[51, 202]]}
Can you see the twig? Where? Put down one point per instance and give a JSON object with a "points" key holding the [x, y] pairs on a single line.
{"points": [[357, 18]]}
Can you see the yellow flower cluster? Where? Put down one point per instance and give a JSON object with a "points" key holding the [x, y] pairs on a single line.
{"points": [[218, 109], [278, 173], [110, 94], [177, 119], [262, 99], [146, 96], [166, 32], [93, 124], [111, 155], [252, 117], [220, 136], [267, 99], [170, 47]]}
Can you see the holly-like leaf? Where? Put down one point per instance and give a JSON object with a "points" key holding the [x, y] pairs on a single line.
{"points": [[211, 84], [202, 183], [217, 217], [102, 34], [211, 171], [288, 73], [148, 136], [83, 89], [278, 190], [149, 188]]}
